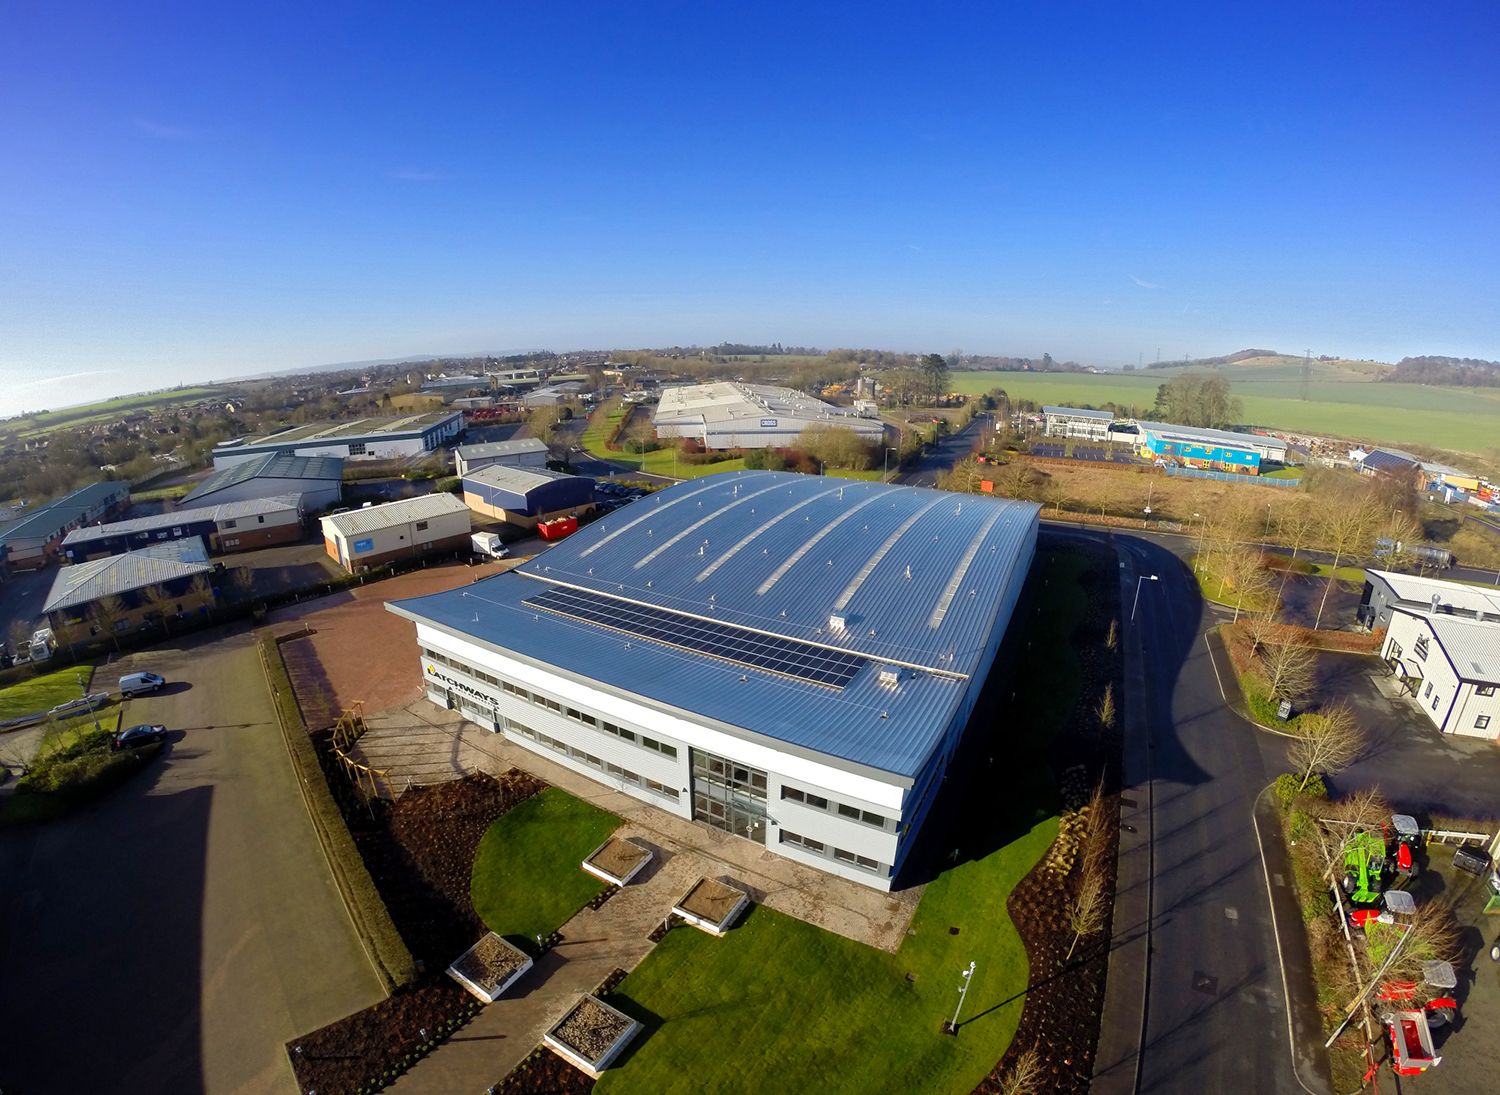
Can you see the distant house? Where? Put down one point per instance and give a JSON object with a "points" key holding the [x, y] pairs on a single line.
{"points": [[125, 592]]}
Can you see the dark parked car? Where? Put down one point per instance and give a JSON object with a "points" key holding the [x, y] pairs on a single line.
{"points": [[140, 737]]}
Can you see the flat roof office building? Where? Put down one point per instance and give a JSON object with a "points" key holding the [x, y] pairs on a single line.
{"points": [[730, 415], [232, 526], [1077, 422], [782, 657], [520, 452]]}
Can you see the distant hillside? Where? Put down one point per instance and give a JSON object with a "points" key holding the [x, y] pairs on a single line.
{"points": [[1466, 371], [1244, 361]]}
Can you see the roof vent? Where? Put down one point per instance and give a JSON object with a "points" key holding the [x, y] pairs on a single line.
{"points": [[908, 572], [890, 676], [837, 621], [1436, 600]]}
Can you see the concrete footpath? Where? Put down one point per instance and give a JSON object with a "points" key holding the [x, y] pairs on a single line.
{"points": [[1117, 1059]]}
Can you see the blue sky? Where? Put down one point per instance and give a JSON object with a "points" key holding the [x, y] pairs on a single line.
{"points": [[186, 194]]}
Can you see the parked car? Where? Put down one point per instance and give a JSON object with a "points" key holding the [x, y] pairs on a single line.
{"points": [[139, 737], [139, 684], [79, 706]]}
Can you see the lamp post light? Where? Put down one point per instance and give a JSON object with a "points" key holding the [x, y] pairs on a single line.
{"points": [[1137, 599], [963, 989]]}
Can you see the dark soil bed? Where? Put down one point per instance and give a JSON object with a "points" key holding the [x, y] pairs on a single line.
{"points": [[545, 1073], [420, 853]]}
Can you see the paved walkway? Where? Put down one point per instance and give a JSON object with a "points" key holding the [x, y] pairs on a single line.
{"points": [[453, 745], [595, 943]]}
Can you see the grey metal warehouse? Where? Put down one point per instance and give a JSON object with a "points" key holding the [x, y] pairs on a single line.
{"points": [[525, 496], [781, 657], [317, 480], [729, 415], [520, 452], [231, 526]]}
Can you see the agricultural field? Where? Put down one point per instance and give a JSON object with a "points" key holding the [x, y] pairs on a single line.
{"points": [[30, 425], [1340, 403]]}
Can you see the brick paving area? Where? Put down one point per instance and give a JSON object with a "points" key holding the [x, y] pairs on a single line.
{"points": [[358, 651]]}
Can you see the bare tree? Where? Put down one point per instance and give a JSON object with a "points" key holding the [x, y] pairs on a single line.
{"points": [[1434, 934], [1112, 636], [1263, 629], [1026, 1076], [1366, 809], [108, 611], [1288, 665], [1242, 570], [1344, 525], [1106, 708], [1091, 900], [162, 603], [1056, 494], [1327, 741], [1296, 526]]}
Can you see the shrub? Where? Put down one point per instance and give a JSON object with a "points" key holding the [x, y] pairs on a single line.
{"points": [[451, 485], [1316, 906], [1289, 786]]}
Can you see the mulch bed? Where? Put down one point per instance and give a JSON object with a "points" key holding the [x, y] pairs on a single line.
{"points": [[420, 852], [545, 1073]]}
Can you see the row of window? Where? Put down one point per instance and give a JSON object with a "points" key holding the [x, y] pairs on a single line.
{"points": [[588, 758], [550, 704], [818, 802], [817, 847]]}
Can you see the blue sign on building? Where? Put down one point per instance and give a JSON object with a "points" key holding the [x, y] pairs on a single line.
{"points": [[362, 546]]}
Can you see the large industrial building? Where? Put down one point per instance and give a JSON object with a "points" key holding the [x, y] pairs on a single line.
{"points": [[519, 452], [361, 439], [231, 526], [524, 497], [1198, 447], [33, 540], [1077, 422], [730, 415], [317, 480], [786, 658], [408, 529]]}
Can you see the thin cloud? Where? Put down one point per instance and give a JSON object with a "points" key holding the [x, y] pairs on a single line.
{"points": [[914, 247], [65, 377], [1143, 283], [407, 175], [163, 131]]}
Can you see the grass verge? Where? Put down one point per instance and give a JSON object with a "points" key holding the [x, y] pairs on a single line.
{"points": [[44, 692], [527, 880], [372, 920]]}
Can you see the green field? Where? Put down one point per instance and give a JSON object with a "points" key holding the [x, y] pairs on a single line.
{"points": [[1460, 420], [29, 425]]}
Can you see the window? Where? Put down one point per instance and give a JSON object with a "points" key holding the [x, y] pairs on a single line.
{"points": [[1485, 690], [1420, 649], [230, 524], [1429, 690], [357, 448], [1482, 722], [421, 526], [849, 811], [1435, 701], [260, 519]]}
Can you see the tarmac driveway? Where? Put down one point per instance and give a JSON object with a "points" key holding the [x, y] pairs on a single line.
{"points": [[1418, 768], [172, 937]]}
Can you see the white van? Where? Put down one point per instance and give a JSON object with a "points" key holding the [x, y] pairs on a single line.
{"points": [[138, 684]]}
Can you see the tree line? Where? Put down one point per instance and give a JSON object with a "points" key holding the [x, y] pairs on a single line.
{"points": [[1469, 372]]}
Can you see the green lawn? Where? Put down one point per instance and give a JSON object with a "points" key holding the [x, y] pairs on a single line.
{"points": [[1343, 573], [1214, 589], [45, 692], [161, 494], [527, 880], [1458, 419], [777, 1004]]}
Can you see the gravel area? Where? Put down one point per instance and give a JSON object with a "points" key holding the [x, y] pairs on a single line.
{"points": [[489, 962], [590, 1029], [618, 857], [710, 900]]}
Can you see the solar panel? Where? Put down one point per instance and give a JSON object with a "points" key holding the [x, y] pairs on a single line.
{"points": [[754, 649]]}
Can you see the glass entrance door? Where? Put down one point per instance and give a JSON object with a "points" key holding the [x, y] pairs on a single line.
{"points": [[729, 796]]}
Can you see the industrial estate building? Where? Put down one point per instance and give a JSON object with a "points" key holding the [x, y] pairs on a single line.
{"points": [[1386, 591], [362, 439], [34, 539], [526, 496], [782, 657], [1195, 446], [407, 529], [1451, 665], [123, 592], [1077, 422], [317, 480], [230, 526], [730, 415], [522, 452]]}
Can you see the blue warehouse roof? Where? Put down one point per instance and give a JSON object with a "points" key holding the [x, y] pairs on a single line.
{"points": [[842, 618]]}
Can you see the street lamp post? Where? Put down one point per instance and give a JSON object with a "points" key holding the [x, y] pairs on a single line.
{"points": [[963, 990], [1137, 599]]}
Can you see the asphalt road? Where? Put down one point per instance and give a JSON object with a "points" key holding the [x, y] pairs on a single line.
{"points": [[175, 935]]}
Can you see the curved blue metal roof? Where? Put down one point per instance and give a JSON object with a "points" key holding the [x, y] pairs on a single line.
{"points": [[901, 576]]}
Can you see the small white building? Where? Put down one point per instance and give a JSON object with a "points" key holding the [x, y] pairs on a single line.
{"points": [[1077, 422], [730, 415], [1451, 665], [412, 527], [520, 452]]}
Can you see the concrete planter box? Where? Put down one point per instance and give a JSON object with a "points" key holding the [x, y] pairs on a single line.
{"points": [[490, 967], [617, 860], [591, 1035], [712, 905]]}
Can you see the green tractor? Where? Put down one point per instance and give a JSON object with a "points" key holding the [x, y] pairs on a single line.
{"points": [[1364, 868]]}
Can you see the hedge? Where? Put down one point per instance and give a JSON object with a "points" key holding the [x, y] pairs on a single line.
{"points": [[372, 920]]}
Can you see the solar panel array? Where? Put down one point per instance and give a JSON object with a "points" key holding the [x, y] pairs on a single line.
{"points": [[753, 649]]}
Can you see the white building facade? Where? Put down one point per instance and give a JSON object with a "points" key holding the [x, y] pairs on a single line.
{"points": [[1077, 422], [1451, 666]]}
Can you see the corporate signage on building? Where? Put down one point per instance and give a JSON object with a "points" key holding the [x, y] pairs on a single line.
{"points": [[768, 423], [468, 689], [367, 544]]}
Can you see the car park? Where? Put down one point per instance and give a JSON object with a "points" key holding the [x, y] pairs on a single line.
{"points": [[139, 737], [139, 684]]}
